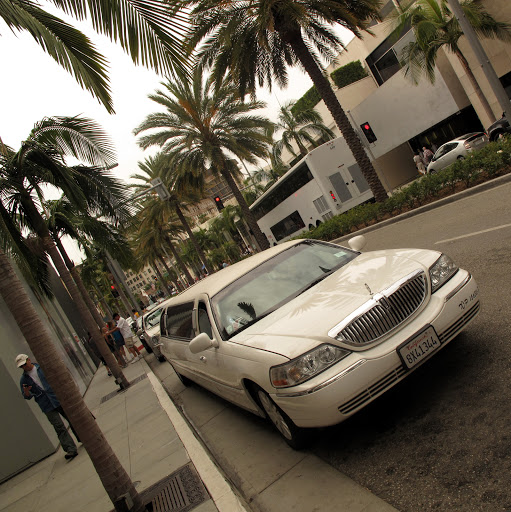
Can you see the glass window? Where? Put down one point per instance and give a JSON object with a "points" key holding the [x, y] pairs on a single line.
{"points": [[287, 226], [274, 283], [285, 187], [178, 322], [204, 321]]}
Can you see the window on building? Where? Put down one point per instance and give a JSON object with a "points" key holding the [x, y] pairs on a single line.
{"points": [[284, 188], [287, 226], [384, 61]]}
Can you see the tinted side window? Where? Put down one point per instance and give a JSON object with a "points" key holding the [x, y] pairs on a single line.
{"points": [[203, 320], [178, 322]]}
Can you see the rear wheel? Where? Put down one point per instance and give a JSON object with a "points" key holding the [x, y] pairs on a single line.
{"points": [[294, 436], [461, 157]]}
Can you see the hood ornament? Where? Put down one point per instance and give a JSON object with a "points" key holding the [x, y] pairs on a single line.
{"points": [[369, 289]]}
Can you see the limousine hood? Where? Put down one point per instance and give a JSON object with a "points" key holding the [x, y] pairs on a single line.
{"points": [[304, 322]]}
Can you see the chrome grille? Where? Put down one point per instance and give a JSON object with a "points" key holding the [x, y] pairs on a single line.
{"points": [[385, 312]]}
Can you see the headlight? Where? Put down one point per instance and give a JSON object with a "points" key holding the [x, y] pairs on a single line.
{"points": [[155, 340], [306, 366], [443, 269]]}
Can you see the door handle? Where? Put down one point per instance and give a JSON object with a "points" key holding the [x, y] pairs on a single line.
{"points": [[202, 359]]}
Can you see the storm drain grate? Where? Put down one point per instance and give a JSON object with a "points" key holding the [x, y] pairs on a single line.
{"points": [[181, 491], [116, 392]]}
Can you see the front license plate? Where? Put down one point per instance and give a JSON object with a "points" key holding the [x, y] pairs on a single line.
{"points": [[419, 348]]}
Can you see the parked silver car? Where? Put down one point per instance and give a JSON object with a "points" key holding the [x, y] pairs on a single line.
{"points": [[148, 330], [456, 149]]}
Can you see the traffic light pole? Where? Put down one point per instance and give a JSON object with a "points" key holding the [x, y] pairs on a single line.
{"points": [[368, 148], [118, 273]]}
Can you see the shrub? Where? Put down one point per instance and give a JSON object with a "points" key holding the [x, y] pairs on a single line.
{"points": [[348, 74], [309, 100]]}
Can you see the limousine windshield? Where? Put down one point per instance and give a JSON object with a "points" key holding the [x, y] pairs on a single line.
{"points": [[275, 282]]}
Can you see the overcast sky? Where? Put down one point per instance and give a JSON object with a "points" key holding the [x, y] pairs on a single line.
{"points": [[33, 85]]}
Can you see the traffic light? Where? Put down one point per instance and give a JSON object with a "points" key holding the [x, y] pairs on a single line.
{"points": [[114, 291], [218, 203], [368, 132], [332, 195]]}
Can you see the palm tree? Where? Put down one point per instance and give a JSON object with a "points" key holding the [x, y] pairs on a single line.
{"points": [[200, 130], [435, 27], [300, 128], [181, 193], [159, 230], [40, 161], [149, 30], [254, 41]]}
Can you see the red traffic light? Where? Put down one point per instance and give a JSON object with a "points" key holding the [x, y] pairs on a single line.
{"points": [[218, 202], [368, 132]]}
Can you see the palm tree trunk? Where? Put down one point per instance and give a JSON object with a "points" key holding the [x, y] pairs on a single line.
{"points": [[200, 252], [261, 240], [481, 97], [43, 233], [179, 261], [78, 280], [164, 281], [115, 479], [327, 94]]}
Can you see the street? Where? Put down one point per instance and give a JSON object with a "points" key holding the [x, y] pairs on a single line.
{"points": [[440, 440]]}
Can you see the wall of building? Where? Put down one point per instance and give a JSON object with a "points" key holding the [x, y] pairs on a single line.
{"points": [[26, 435]]}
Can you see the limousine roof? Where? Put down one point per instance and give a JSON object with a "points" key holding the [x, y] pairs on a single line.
{"points": [[219, 280]]}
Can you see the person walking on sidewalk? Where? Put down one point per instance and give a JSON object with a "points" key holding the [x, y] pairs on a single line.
{"points": [[124, 327], [33, 384]]}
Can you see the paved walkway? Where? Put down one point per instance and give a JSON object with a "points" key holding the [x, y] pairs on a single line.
{"points": [[151, 440]]}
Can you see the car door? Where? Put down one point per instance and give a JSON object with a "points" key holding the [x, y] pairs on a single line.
{"points": [[225, 363], [446, 155]]}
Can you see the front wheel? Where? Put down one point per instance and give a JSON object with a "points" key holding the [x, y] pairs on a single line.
{"points": [[461, 157], [294, 436]]}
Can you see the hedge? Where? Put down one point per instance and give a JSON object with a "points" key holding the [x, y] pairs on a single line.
{"points": [[308, 101], [346, 75]]}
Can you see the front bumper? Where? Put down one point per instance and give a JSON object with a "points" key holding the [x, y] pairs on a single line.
{"points": [[342, 390]]}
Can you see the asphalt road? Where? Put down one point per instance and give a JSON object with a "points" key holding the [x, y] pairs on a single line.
{"points": [[441, 440]]}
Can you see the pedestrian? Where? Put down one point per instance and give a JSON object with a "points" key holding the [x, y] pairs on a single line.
{"points": [[111, 345], [428, 155], [419, 163], [135, 313], [33, 384], [124, 328], [118, 341]]}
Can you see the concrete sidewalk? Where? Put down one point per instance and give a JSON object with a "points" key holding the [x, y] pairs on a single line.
{"points": [[152, 442]]}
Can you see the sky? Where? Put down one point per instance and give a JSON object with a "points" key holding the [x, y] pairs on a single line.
{"points": [[33, 86]]}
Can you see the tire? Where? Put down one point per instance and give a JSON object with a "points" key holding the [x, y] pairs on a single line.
{"points": [[161, 358], [146, 345], [294, 436], [432, 171], [461, 157]]}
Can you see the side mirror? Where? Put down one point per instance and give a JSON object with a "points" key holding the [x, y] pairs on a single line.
{"points": [[357, 243], [201, 343]]}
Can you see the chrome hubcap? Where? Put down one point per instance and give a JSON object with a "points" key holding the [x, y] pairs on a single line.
{"points": [[275, 417]]}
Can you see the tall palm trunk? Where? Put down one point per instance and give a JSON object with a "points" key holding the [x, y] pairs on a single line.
{"points": [[196, 245], [261, 240], [115, 479], [477, 89], [164, 281], [49, 246], [179, 261], [78, 280], [294, 38]]}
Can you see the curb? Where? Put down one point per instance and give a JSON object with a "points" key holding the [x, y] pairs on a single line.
{"points": [[487, 185], [220, 491]]}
